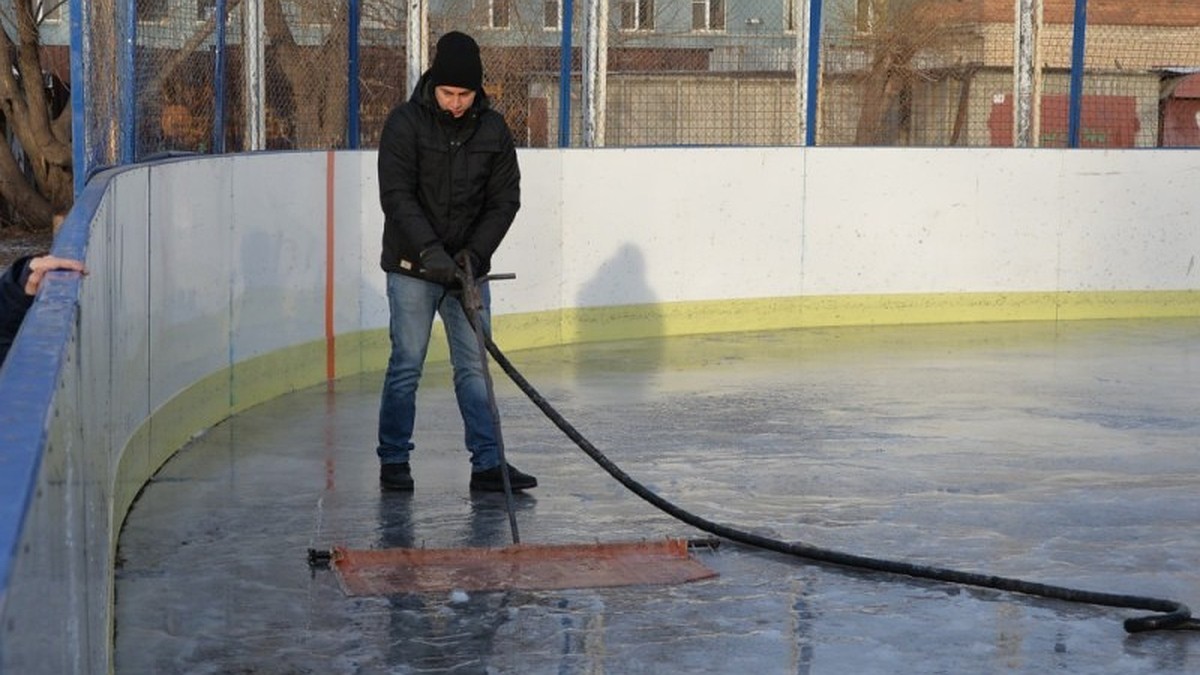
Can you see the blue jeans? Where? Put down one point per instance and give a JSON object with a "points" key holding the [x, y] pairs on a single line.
{"points": [[412, 303]]}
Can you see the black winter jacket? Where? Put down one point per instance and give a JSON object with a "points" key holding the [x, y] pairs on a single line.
{"points": [[445, 181], [13, 303]]}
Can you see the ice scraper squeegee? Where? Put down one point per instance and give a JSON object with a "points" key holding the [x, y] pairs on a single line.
{"points": [[519, 566]]}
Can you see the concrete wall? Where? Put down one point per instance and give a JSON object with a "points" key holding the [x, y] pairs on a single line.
{"points": [[222, 282]]}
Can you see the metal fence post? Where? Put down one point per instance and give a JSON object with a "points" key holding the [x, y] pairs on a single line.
{"points": [[1024, 64], [814, 72], [1075, 107], [219, 94], [417, 22], [79, 96], [252, 42], [126, 81], [595, 73], [352, 63], [564, 76]]}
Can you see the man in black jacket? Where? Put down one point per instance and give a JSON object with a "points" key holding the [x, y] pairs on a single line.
{"points": [[18, 287], [449, 185]]}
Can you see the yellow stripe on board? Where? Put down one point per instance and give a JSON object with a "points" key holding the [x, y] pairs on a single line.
{"points": [[624, 322]]}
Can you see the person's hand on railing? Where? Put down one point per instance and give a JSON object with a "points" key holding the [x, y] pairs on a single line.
{"points": [[37, 268]]}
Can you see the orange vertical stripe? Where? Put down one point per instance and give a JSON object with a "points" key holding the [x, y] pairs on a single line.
{"points": [[330, 352]]}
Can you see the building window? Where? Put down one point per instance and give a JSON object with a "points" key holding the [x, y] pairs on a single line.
{"points": [[49, 10], [637, 14], [864, 16], [790, 19], [552, 14], [381, 15], [152, 10], [498, 13], [708, 14]]}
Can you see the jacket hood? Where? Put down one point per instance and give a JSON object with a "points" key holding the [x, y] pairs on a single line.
{"points": [[423, 94]]}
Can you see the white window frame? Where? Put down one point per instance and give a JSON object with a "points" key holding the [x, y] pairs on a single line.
{"points": [[864, 16], [506, 7], [50, 11], [706, 7], [640, 23], [558, 14]]}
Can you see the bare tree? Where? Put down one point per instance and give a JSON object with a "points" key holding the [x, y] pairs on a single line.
{"points": [[35, 169], [904, 40]]}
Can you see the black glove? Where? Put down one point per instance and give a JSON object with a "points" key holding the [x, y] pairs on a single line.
{"points": [[438, 266], [467, 255]]}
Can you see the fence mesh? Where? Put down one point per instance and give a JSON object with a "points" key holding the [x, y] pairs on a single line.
{"points": [[911, 73], [669, 72], [100, 45]]}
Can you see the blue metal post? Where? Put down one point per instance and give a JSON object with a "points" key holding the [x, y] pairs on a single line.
{"points": [[79, 93], [219, 95], [352, 94], [564, 77], [127, 83], [1075, 105], [814, 73]]}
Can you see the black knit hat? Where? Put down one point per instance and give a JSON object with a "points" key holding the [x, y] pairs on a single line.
{"points": [[456, 62]]}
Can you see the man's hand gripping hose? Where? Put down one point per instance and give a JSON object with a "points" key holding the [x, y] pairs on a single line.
{"points": [[472, 303]]}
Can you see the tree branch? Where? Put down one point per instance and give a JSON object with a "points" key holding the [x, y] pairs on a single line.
{"points": [[30, 207], [35, 133]]}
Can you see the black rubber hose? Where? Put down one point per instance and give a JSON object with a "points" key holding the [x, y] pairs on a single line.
{"points": [[1172, 614]]}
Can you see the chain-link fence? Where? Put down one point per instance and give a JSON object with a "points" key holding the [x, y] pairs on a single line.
{"points": [[1138, 63], [919, 73], [649, 72]]}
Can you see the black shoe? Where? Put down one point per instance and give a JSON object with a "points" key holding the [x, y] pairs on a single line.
{"points": [[395, 476], [490, 480]]}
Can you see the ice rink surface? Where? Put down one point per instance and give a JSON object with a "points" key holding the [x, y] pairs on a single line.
{"points": [[1059, 453]]}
